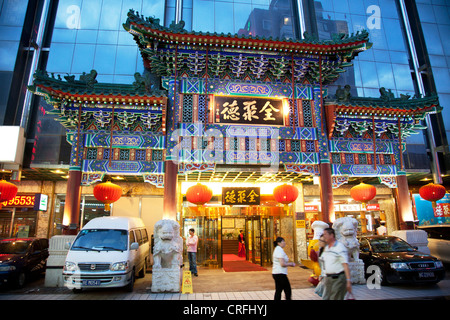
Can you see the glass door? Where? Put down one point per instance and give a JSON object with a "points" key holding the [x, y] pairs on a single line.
{"points": [[253, 232], [266, 241]]}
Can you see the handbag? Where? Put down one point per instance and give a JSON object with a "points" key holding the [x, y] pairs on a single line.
{"points": [[319, 289]]}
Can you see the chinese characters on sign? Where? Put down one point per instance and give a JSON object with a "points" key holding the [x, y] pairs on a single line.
{"points": [[238, 110], [240, 196]]}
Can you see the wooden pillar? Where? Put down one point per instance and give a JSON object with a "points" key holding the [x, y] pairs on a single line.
{"points": [[170, 190], [326, 193], [71, 219], [404, 205]]}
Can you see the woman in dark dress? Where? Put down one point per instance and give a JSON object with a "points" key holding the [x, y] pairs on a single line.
{"points": [[241, 249]]}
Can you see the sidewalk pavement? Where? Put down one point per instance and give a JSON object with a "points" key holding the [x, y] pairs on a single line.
{"points": [[361, 292]]}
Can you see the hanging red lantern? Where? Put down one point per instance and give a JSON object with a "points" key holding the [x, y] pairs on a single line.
{"points": [[107, 192], [432, 192], [7, 191], [285, 194], [363, 192], [199, 194]]}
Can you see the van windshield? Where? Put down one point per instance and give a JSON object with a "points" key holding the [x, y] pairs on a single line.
{"points": [[101, 240]]}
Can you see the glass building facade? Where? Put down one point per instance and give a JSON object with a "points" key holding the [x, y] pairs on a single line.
{"points": [[409, 56]]}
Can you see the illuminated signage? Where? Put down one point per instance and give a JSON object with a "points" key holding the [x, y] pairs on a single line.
{"points": [[241, 196], [248, 110], [37, 201], [21, 201]]}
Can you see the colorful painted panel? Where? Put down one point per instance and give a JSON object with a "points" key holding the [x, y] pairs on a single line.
{"points": [[363, 170]]}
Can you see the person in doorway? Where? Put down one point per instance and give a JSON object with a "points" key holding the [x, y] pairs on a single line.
{"points": [[241, 249], [381, 230], [191, 244], [335, 263], [279, 270]]}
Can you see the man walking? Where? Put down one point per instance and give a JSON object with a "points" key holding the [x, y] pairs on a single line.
{"points": [[335, 262], [191, 244]]}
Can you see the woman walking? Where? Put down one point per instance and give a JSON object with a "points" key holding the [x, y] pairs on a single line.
{"points": [[279, 270]]}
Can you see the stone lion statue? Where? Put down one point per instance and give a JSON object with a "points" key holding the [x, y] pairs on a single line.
{"points": [[168, 248], [346, 230]]}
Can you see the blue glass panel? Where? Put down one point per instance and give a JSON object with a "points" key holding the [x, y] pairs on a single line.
{"points": [[223, 14], [402, 76], [90, 14], [108, 37], [431, 34], [111, 15], [442, 79], [64, 35], [341, 6], [202, 19], [369, 74], [87, 36], [13, 12], [385, 76], [126, 60], [8, 54], [105, 56], [426, 13], [394, 36], [60, 57], [82, 58], [10, 33], [154, 8]]}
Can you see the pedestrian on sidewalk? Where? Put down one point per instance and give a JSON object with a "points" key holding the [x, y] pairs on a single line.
{"points": [[335, 262], [279, 270], [191, 244]]}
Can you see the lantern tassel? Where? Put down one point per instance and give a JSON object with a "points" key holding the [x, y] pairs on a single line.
{"points": [[107, 207]]}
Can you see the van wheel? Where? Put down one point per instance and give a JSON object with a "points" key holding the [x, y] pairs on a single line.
{"points": [[143, 270], [129, 287]]}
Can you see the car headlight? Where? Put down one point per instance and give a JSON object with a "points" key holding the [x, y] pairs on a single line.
{"points": [[70, 266], [438, 264], [119, 266], [399, 265], [7, 268]]}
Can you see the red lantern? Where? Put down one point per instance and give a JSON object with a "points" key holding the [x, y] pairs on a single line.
{"points": [[285, 194], [432, 192], [7, 191], [199, 194], [363, 192], [107, 193]]}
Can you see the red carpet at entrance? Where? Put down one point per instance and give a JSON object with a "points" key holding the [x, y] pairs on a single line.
{"points": [[233, 263]]}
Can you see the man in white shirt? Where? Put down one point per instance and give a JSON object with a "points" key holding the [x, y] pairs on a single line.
{"points": [[191, 244], [335, 262]]}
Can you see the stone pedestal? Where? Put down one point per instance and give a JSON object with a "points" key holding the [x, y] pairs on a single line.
{"points": [[166, 280], [357, 271], [56, 260], [416, 238]]}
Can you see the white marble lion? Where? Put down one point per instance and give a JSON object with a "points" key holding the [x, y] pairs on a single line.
{"points": [[346, 229], [168, 248]]}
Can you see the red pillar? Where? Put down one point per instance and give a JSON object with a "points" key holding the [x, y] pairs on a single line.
{"points": [[71, 219], [326, 193], [170, 190], [404, 205]]}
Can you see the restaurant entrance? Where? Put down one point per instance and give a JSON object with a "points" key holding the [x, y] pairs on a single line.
{"points": [[218, 229]]}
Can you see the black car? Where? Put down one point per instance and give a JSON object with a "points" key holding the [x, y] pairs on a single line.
{"points": [[20, 258], [398, 261]]}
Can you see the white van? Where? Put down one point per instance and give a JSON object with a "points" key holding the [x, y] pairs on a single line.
{"points": [[107, 252]]}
